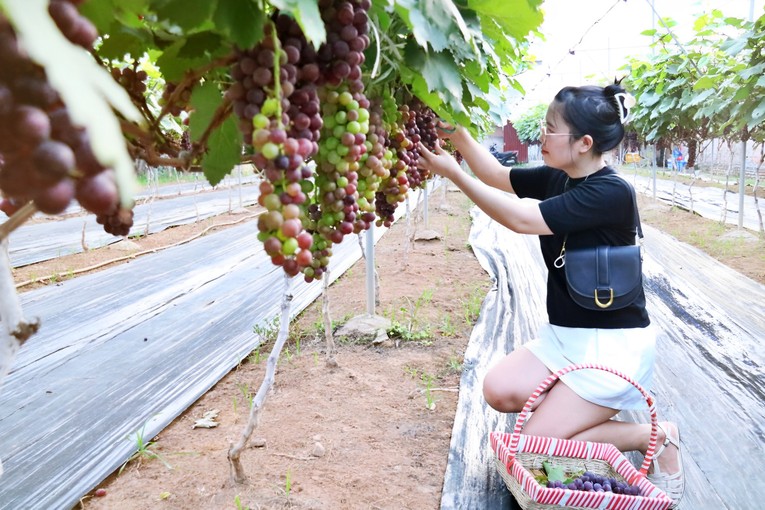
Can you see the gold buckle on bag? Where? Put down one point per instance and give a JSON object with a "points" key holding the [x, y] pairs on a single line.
{"points": [[604, 305]]}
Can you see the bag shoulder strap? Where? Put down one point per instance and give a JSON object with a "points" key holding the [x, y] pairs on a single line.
{"points": [[561, 260]]}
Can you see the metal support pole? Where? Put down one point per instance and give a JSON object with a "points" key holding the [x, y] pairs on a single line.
{"points": [[370, 280], [742, 186], [653, 169], [425, 204], [239, 175]]}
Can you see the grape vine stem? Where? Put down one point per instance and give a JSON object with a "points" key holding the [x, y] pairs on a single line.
{"points": [[16, 330], [192, 76], [17, 219], [235, 450]]}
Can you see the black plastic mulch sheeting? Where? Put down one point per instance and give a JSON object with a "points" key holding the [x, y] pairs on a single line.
{"points": [[37, 242], [710, 374], [129, 349]]}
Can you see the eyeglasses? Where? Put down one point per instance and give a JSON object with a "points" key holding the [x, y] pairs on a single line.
{"points": [[544, 134]]}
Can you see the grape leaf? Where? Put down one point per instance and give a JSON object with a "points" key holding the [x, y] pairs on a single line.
{"points": [[239, 20], [188, 53], [429, 23], [201, 45], [225, 151], [187, 14], [515, 18], [100, 12], [205, 99], [123, 41], [103, 12], [441, 74], [306, 13], [554, 473]]}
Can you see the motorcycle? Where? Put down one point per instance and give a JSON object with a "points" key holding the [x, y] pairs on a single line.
{"points": [[507, 158]]}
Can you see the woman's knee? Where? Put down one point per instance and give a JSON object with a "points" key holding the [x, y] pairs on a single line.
{"points": [[508, 385], [502, 394]]}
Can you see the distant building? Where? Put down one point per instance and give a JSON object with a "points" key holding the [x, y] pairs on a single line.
{"points": [[512, 143]]}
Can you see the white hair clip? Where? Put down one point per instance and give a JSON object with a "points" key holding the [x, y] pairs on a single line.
{"points": [[624, 106]]}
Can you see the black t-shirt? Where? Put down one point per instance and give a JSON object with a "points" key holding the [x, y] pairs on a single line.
{"points": [[594, 210]]}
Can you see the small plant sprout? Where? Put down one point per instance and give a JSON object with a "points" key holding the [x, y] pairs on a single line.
{"points": [[430, 401], [143, 451], [447, 328], [472, 306], [411, 371], [246, 393], [454, 364], [255, 357], [268, 331], [288, 483], [238, 503], [315, 358]]}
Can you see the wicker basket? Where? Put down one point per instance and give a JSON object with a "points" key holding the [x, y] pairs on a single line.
{"points": [[517, 454]]}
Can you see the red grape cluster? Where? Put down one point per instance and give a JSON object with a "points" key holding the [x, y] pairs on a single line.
{"points": [[278, 118], [133, 80], [43, 157], [345, 110], [179, 104], [302, 73], [75, 27], [340, 58], [406, 146]]}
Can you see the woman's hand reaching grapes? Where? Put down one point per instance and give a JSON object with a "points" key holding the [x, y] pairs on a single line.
{"points": [[444, 129], [441, 162]]}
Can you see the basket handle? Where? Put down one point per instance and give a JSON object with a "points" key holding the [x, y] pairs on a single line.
{"points": [[545, 385]]}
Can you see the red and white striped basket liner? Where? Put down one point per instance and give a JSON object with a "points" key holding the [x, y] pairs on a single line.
{"points": [[507, 445]]}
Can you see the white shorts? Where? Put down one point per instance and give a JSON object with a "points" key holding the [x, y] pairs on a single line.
{"points": [[629, 351]]}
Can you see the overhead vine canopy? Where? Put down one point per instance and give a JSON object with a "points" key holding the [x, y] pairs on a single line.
{"points": [[458, 58], [329, 99]]}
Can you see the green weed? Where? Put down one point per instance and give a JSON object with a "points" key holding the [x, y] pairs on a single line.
{"points": [[471, 306], [269, 331], [143, 451], [454, 364]]}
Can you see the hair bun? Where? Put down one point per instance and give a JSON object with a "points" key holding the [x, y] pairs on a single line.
{"points": [[623, 101]]}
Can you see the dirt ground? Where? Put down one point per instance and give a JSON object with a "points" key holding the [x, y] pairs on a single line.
{"points": [[372, 432], [363, 434]]}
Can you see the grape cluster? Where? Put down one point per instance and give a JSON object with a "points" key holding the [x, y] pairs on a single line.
{"points": [[178, 105], [280, 119], [334, 212], [405, 142], [133, 80], [75, 27], [43, 157], [591, 482], [425, 119], [375, 166], [340, 58]]}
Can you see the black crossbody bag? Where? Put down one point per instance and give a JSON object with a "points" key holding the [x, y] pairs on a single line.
{"points": [[604, 278]]}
